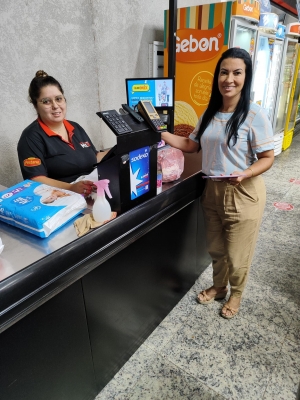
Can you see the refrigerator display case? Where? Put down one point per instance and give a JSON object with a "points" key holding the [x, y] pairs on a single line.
{"points": [[293, 104], [267, 65], [286, 79], [298, 113], [243, 35]]}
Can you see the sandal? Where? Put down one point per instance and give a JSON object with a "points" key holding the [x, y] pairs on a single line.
{"points": [[233, 311], [207, 299]]}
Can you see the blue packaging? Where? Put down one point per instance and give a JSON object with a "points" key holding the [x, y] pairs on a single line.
{"points": [[139, 172], [280, 33], [37, 208]]}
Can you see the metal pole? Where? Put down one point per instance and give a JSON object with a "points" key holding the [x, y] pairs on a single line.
{"points": [[172, 52]]}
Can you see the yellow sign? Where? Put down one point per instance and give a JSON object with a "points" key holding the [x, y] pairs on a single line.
{"points": [[141, 88]]}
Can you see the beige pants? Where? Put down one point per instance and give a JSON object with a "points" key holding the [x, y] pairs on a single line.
{"points": [[233, 216]]}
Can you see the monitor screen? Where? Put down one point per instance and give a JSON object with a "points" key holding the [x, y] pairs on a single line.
{"points": [[158, 90]]}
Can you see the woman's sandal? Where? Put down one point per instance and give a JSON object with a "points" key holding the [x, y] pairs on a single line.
{"points": [[233, 311], [207, 299]]}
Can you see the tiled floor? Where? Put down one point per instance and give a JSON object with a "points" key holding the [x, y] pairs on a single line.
{"points": [[196, 354]]}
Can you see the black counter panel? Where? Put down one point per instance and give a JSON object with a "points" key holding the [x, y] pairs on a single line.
{"points": [[47, 355]]}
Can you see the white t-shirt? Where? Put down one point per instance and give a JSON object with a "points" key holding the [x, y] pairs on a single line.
{"points": [[255, 135]]}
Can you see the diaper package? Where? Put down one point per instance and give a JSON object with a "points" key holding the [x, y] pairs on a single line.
{"points": [[37, 208]]}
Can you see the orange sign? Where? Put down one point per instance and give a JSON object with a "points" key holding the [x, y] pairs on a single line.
{"points": [[194, 45], [249, 9], [294, 28], [32, 162], [202, 35]]}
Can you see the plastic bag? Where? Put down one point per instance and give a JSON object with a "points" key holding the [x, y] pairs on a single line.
{"points": [[172, 163]]}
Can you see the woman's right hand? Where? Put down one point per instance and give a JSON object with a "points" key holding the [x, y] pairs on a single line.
{"points": [[82, 187]]}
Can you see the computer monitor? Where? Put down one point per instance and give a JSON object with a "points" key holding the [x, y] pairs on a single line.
{"points": [[158, 90]]}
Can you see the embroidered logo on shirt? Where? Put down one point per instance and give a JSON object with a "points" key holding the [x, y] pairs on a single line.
{"points": [[32, 162], [84, 144]]}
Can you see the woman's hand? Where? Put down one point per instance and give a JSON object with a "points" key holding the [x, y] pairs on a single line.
{"points": [[244, 175], [82, 187], [264, 162]]}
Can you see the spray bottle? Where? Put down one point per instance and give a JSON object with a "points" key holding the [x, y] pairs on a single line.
{"points": [[101, 207]]}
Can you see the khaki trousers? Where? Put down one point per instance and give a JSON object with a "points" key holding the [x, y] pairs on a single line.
{"points": [[232, 217]]}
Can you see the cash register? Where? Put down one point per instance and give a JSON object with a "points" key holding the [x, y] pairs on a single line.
{"points": [[131, 165]]}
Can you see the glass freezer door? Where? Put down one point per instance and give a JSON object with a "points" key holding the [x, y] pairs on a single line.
{"points": [[286, 84], [266, 72], [298, 113], [243, 35], [272, 88]]}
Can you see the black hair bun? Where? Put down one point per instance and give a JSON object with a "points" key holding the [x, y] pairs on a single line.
{"points": [[41, 74]]}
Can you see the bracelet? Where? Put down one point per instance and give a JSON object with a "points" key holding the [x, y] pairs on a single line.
{"points": [[251, 171]]}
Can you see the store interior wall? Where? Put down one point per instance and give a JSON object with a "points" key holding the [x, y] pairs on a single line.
{"points": [[89, 46]]}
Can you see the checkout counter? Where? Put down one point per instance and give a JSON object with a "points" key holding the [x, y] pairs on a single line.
{"points": [[73, 310]]}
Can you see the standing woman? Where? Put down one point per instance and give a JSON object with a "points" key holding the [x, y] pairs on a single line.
{"points": [[236, 138], [51, 149]]}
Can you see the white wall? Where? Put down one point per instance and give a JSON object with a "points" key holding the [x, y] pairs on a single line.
{"points": [[55, 36], [90, 46]]}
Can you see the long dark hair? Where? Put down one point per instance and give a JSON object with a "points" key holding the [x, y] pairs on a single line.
{"points": [[41, 80], [216, 99]]}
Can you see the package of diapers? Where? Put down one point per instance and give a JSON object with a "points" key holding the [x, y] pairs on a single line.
{"points": [[39, 209]]}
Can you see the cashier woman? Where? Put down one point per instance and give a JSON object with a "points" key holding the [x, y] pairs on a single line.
{"points": [[51, 149]]}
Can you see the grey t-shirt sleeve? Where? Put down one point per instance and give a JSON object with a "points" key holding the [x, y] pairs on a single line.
{"points": [[193, 135]]}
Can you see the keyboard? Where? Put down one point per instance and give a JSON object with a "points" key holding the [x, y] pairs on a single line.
{"points": [[115, 122]]}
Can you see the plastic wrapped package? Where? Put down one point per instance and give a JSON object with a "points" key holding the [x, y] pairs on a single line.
{"points": [[172, 163], [37, 208]]}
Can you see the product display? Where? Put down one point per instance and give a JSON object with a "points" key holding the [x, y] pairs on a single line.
{"points": [[37, 208]]}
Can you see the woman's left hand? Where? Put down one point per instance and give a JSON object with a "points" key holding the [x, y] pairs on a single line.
{"points": [[243, 175]]}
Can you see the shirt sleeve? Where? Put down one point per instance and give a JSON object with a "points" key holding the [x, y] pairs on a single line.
{"points": [[31, 153], [193, 135], [261, 133]]}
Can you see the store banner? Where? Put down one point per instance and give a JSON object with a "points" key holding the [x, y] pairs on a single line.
{"points": [[202, 36], [249, 9]]}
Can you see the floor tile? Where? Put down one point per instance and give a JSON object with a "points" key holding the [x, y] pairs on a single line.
{"points": [[169, 326], [149, 375], [294, 328], [234, 357], [267, 307], [285, 378], [121, 386], [164, 380]]}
